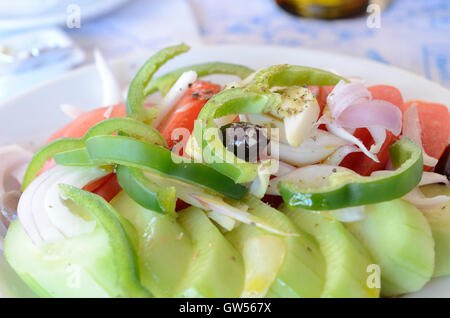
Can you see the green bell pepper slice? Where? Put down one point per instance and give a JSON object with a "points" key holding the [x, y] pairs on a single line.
{"points": [[124, 255], [254, 99], [136, 95], [145, 192], [132, 180], [166, 81], [347, 189], [107, 127], [131, 152], [292, 75], [231, 101]]}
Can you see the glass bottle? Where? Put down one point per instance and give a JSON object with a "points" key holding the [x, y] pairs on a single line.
{"points": [[325, 9]]}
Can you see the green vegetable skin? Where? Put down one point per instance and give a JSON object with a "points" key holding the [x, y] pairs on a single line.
{"points": [[216, 268], [165, 82], [399, 239], [347, 261], [107, 127], [254, 99], [104, 259], [135, 153], [164, 248], [195, 264], [439, 220], [145, 192], [303, 271], [348, 189], [136, 96]]}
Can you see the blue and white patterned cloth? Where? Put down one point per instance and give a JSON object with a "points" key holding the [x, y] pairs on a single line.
{"points": [[413, 34]]}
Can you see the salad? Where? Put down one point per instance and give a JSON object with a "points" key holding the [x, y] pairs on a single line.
{"points": [[291, 181]]}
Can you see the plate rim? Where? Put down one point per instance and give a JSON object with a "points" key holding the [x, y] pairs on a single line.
{"points": [[141, 55]]}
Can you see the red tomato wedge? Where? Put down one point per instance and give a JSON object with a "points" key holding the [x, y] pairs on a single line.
{"points": [[435, 123], [359, 162], [94, 185], [107, 187], [388, 93], [80, 125], [321, 93], [186, 110]]}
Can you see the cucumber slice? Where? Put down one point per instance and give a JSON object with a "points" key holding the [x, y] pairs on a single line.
{"points": [[303, 270], [78, 267], [263, 257], [347, 260], [399, 239], [439, 220], [96, 264], [164, 249], [216, 268]]}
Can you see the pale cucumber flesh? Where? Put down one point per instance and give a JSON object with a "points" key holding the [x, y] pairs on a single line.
{"points": [[347, 261], [302, 273], [399, 239], [78, 267], [163, 247], [216, 268], [439, 219]]}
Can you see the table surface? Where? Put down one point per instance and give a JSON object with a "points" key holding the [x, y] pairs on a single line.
{"points": [[413, 34]]}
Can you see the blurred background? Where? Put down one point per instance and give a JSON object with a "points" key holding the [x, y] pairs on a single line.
{"points": [[40, 39]]}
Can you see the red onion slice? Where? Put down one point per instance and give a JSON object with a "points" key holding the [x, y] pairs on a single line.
{"points": [[433, 177], [379, 137], [416, 197], [351, 106], [316, 147], [372, 113], [344, 134], [178, 89], [40, 206], [216, 204], [336, 158], [345, 94], [112, 94]]}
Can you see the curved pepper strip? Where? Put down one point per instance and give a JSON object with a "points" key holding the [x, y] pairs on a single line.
{"points": [[124, 255], [231, 101], [350, 189], [138, 154], [255, 98], [292, 75], [145, 192], [136, 96], [107, 127], [133, 182], [165, 82]]}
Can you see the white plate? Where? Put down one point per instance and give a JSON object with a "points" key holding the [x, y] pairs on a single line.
{"points": [[31, 117], [41, 13]]}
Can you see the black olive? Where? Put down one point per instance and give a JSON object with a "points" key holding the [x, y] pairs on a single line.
{"points": [[443, 165], [245, 140]]}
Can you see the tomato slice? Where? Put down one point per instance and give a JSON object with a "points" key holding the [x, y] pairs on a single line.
{"points": [[107, 187], [321, 93], [186, 110], [359, 162], [80, 125], [435, 123]]}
